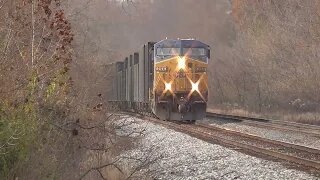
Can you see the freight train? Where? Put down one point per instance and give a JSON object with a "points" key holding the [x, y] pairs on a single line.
{"points": [[168, 78]]}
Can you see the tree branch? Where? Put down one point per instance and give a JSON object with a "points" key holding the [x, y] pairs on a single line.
{"points": [[98, 168]]}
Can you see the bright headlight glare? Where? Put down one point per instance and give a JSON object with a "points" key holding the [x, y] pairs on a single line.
{"points": [[195, 86], [167, 86], [181, 63]]}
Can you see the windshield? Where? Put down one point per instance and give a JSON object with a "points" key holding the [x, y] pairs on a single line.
{"points": [[199, 53], [168, 51], [194, 51]]}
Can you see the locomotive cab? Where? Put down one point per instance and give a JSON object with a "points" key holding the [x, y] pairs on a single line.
{"points": [[180, 88]]}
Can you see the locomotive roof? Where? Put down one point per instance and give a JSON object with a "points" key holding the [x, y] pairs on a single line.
{"points": [[181, 43]]}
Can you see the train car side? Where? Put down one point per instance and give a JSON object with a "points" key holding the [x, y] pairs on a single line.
{"points": [[134, 80]]}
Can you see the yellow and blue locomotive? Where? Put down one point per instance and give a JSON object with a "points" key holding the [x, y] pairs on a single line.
{"points": [[180, 90], [168, 78]]}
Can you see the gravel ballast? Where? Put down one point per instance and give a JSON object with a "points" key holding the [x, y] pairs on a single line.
{"points": [[166, 154]]}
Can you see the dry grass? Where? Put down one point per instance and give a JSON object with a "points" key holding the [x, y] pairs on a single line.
{"points": [[306, 118]]}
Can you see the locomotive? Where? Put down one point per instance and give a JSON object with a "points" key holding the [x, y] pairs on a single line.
{"points": [[168, 78]]}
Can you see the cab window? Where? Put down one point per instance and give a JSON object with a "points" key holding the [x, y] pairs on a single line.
{"points": [[194, 51], [168, 51], [201, 54]]}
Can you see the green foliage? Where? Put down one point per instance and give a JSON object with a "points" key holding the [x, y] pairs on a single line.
{"points": [[51, 89], [2, 40], [18, 127], [33, 82], [20, 122], [259, 26]]}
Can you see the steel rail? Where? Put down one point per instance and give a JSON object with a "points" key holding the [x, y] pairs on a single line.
{"points": [[274, 124], [281, 150], [258, 138]]}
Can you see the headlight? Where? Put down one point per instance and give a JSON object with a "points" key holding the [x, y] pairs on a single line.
{"points": [[181, 63], [167, 86], [195, 86]]}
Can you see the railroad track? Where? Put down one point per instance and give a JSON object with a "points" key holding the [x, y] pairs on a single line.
{"points": [[311, 130], [307, 157]]}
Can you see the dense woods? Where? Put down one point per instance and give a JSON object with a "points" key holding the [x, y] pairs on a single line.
{"points": [[54, 56], [275, 56]]}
